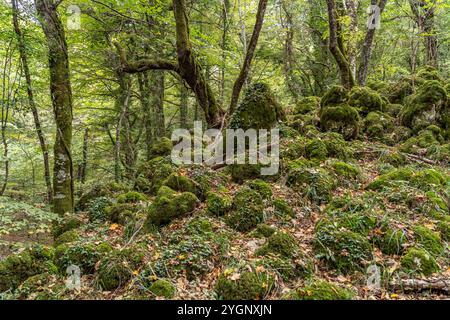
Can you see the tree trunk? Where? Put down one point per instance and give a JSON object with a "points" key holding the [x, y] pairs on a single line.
{"points": [[249, 56], [31, 101], [366, 52], [335, 47], [224, 47], [61, 94], [157, 85], [184, 94], [352, 10], [148, 111], [85, 156]]}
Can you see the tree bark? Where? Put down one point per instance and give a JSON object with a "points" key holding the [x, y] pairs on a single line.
{"points": [[249, 56], [352, 10], [335, 47], [148, 111], [31, 101], [184, 94], [61, 94], [224, 47], [366, 52], [85, 156]]}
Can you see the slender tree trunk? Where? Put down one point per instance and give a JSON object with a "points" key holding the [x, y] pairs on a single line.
{"points": [[249, 55], [336, 47], [85, 156], [352, 7], [148, 111], [31, 101], [224, 47], [157, 85], [366, 52], [61, 94], [5, 114], [184, 94]]}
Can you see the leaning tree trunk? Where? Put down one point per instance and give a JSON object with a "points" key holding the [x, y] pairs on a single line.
{"points": [[335, 47], [31, 101], [61, 95], [366, 52]]}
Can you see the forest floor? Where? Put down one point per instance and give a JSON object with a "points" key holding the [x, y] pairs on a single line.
{"points": [[195, 260]]}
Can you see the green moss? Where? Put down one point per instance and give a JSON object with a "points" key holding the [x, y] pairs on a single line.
{"points": [[67, 237], [69, 222], [341, 249], [247, 286], [429, 179], [121, 213], [429, 239], [279, 243], [258, 109], [162, 288], [168, 206], [316, 149], [131, 197], [404, 88], [152, 174], [242, 172], [82, 254], [393, 109], [418, 260], [262, 187], [199, 225], [322, 290], [161, 148], [365, 100], [346, 170], [247, 210], [385, 180], [112, 272], [342, 119], [37, 288], [265, 230], [376, 124], [429, 73], [218, 204], [334, 96], [444, 229], [282, 208], [393, 158], [182, 184], [392, 241], [288, 269], [314, 183], [16, 268], [306, 105], [99, 190]]}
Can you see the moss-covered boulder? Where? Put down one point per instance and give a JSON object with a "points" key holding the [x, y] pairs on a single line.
{"points": [[16, 268], [403, 88], [365, 100], [112, 272], [322, 290], [97, 208], [279, 243], [161, 148], [444, 229], [242, 172], [131, 197], [282, 208], [377, 124], [162, 288], [123, 213], [392, 241], [182, 183], [246, 285], [428, 239], [388, 179], [98, 190], [340, 248], [248, 210], [260, 186], [67, 237], [69, 222], [345, 170], [306, 105], [428, 106], [340, 118], [417, 260], [152, 174], [82, 254], [314, 183], [258, 109], [316, 149], [429, 73], [334, 96], [218, 204], [37, 288], [169, 205]]}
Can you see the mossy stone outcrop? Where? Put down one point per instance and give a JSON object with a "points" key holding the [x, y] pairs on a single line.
{"points": [[152, 174], [419, 261], [314, 183], [246, 285], [365, 100], [247, 212], [322, 290]]}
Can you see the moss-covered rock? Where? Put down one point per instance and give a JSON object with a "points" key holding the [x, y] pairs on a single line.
{"points": [[262, 187], [316, 149], [37, 288], [122, 213], [404, 88], [98, 190], [16, 268], [258, 109], [418, 260], [112, 272], [346, 170], [341, 249], [287, 268], [67, 237], [365, 100], [392, 241], [279, 243], [247, 210], [444, 229], [394, 158], [245, 285], [82, 254], [314, 183], [169, 205], [152, 174], [97, 208], [386, 180], [69, 222], [428, 239], [242, 172], [334, 96], [377, 124], [340, 118], [161, 148], [306, 105], [322, 290], [282, 208], [264, 230], [162, 288], [218, 204], [429, 73], [131, 197]]}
